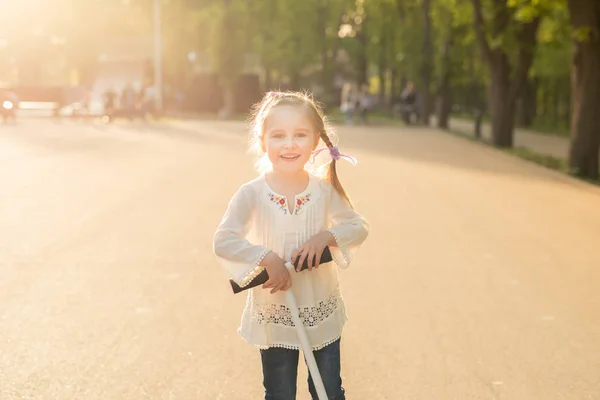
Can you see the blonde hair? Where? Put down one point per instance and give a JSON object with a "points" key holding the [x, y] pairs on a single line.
{"points": [[317, 117]]}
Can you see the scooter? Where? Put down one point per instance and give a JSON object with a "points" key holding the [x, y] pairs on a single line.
{"points": [[295, 314]]}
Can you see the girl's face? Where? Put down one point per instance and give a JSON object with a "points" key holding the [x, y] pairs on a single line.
{"points": [[289, 138]]}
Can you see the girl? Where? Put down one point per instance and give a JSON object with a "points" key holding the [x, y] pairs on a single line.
{"points": [[286, 214]]}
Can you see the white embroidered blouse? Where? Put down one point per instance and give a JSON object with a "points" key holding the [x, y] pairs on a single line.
{"points": [[257, 221]]}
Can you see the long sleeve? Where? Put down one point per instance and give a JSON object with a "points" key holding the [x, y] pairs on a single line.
{"points": [[348, 228], [237, 255]]}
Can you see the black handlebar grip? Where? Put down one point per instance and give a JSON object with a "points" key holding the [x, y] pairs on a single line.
{"points": [[263, 276]]}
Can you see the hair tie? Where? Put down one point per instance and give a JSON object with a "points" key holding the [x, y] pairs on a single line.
{"points": [[335, 154]]}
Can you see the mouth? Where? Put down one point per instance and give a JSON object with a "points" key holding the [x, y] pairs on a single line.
{"points": [[290, 157]]}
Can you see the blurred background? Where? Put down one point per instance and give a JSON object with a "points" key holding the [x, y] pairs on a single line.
{"points": [[123, 139], [219, 56]]}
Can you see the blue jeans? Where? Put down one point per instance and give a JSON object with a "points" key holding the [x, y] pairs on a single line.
{"points": [[280, 372]]}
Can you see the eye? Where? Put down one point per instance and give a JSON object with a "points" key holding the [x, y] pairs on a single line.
{"points": [[277, 135], [301, 134]]}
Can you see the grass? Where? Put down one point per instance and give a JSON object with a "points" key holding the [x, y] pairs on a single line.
{"points": [[544, 160], [463, 135], [374, 118], [539, 126], [547, 128]]}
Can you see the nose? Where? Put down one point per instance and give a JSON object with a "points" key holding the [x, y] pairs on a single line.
{"points": [[289, 141]]}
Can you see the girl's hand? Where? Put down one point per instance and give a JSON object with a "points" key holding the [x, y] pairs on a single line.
{"points": [[279, 276], [312, 249]]}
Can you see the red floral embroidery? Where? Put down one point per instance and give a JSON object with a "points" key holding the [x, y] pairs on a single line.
{"points": [[280, 201], [283, 206], [301, 202]]}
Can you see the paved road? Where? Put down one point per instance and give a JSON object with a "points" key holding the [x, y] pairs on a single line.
{"points": [[480, 278]]}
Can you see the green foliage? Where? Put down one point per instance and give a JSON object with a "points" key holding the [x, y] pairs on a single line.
{"points": [[581, 34], [553, 55], [313, 41], [227, 41]]}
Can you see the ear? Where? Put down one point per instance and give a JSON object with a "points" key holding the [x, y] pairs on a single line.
{"points": [[318, 138]]}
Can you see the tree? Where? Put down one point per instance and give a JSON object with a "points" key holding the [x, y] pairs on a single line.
{"points": [[227, 49], [545, 102], [426, 63], [450, 20], [329, 20], [585, 122], [506, 79]]}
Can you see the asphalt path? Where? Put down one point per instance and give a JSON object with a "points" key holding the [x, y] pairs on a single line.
{"points": [[480, 278]]}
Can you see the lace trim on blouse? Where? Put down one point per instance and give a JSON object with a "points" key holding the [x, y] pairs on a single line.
{"points": [[310, 316], [345, 259], [255, 271], [293, 346]]}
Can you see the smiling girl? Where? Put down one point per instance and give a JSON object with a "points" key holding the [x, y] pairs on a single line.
{"points": [[289, 214]]}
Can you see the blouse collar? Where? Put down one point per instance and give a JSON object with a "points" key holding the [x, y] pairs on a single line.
{"points": [[301, 200]]}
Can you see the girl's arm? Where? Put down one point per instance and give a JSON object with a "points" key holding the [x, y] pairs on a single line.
{"points": [[348, 228], [241, 259]]}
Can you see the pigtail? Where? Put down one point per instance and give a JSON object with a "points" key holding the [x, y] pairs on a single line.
{"points": [[331, 171]]}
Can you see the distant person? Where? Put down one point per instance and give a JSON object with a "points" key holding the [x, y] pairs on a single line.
{"points": [[289, 214], [348, 102], [149, 99], [110, 100], [179, 99], [14, 98], [9, 103], [128, 100], [86, 103], [409, 102], [365, 102], [9, 95], [409, 95]]}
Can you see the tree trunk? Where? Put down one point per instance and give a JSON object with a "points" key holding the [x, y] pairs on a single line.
{"points": [[228, 58], [555, 101], [502, 106], [326, 64], [568, 104], [228, 108], [295, 80], [393, 85], [585, 118], [426, 66], [528, 103], [504, 91], [382, 65], [268, 79], [444, 95], [382, 84], [444, 104], [362, 62]]}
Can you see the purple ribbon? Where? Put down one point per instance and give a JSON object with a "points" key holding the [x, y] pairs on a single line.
{"points": [[335, 154]]}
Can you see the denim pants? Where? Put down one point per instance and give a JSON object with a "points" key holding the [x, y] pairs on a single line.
{"points": [[280, 372]]}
